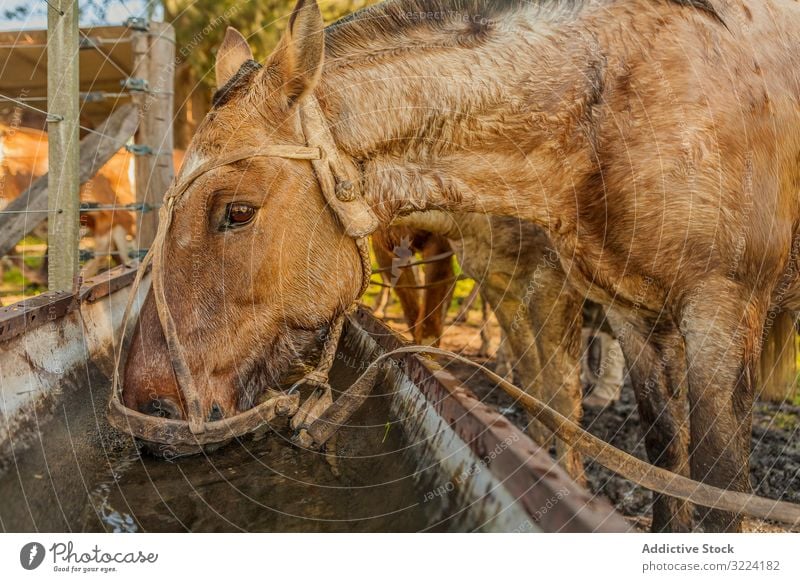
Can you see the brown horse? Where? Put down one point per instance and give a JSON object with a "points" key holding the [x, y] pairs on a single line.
{"points": [[424, 304], [656, 141], [520, 276]]}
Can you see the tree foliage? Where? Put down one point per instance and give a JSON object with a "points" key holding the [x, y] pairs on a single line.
{"points": [[200, 26]]}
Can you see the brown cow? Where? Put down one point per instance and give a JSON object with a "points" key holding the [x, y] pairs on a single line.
{"points": [[424, 308], [24, 159]]}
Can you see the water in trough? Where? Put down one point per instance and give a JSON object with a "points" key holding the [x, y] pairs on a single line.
{"points": [[79, 475]]}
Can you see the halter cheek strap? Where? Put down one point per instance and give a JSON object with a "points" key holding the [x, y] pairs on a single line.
{"points": [[339, 186]]}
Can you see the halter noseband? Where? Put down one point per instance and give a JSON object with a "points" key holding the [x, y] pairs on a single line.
{"points": [[339, 187]]}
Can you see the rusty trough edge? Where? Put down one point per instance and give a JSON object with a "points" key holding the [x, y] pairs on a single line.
{"points": [[23, 316], [553, 501]]}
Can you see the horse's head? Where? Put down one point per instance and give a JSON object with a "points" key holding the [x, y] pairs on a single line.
{"points": [[256, 265]]}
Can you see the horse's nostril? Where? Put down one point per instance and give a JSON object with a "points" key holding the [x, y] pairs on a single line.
{"points": [[162, 408], [216, 413]]}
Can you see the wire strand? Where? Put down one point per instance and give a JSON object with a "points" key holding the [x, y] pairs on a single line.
{"points": [[105, 55], [47, 114], [87, 207], [60, 12]]}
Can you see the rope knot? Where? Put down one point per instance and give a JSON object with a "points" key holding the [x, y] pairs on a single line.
{"points": [[345, 190]]}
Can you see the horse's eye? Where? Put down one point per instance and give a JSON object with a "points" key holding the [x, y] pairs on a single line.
{"points": [[238, 214]]}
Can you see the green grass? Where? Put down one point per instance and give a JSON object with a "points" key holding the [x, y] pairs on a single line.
{"points": [[785, 421], [13, 278], [31, 240], [12, 283]]}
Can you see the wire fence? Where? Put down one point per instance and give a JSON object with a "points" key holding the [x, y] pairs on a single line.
{"points": [[88, 207], [130, 87], [84, 255]]}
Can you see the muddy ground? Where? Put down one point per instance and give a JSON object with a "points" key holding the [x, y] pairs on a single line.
{"points": [[775, 456]]}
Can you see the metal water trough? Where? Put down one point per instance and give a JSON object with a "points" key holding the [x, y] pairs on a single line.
{"points": [[62, 468]]}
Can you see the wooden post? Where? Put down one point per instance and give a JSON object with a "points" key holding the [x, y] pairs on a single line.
{"points": [[154, 61], [63, 226], [778, 366]]}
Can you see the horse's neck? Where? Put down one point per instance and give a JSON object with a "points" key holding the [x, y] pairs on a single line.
{"points": [[467, 129]]}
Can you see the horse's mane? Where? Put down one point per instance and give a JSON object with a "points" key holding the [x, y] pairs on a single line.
{"points": [[383, 22], [379, 25]]}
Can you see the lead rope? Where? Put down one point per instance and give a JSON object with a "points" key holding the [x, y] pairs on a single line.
{"points": [[338, 187], [640, 472], [321, 400]]}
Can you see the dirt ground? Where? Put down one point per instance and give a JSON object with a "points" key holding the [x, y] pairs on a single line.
{"points": [[775, 456]]}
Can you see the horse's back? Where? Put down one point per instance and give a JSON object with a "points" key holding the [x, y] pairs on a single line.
{"points": [[697, 138]]}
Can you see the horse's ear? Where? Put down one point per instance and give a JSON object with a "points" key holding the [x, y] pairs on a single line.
{"points": [[302, 50], [232, 54]]}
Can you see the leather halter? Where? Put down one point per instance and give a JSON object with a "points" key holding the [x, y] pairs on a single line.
{"points": [[338, 183]]}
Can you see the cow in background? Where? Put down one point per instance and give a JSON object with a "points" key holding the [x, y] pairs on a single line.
{"points": [[425, 303], [23, 159]]}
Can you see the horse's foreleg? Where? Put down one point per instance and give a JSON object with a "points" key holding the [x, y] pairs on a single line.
{"points": [[504, 358], [382, 302], [654, 358], [608, 379], [409, 298], [544, 339], [554, 315], [401, 278], [483, 350], [722, 348], [438, 293]]}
